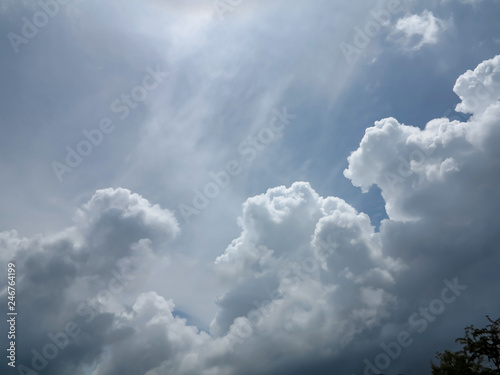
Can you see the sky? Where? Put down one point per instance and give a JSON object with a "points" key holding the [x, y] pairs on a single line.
{"points": [[246, 186]]}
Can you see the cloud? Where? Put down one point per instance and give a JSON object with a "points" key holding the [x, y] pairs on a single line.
{"points": [[299, 289], [410, 164], [309, 280], [479, 89], [155, 337], [328, 280], [315, 263], [310, 285], [439, 186], [79, 274], [415, 31], [126, 215], [301, 296]]}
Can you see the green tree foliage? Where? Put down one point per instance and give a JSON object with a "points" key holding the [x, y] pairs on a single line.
{"points": [[480, 353]]}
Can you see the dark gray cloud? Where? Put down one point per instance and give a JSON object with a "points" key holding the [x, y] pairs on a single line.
{"points": [[68, 281]]}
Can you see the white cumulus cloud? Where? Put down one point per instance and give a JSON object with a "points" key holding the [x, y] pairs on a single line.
{"points": [[415, 31]]}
